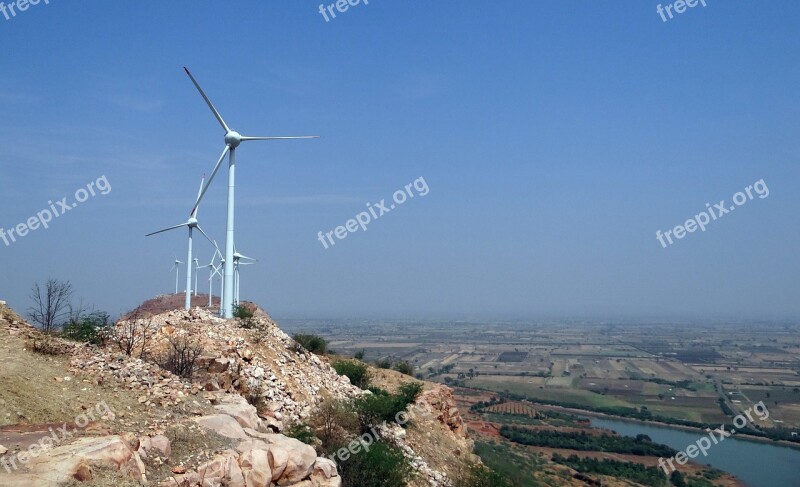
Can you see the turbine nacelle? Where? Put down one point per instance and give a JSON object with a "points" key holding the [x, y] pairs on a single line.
{"points": [[233, 139]]}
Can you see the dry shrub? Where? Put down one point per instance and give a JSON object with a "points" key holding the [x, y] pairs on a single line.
{"points": [[180, 356]]}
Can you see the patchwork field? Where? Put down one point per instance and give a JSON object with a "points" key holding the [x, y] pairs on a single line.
{"points": [[638, 366]]}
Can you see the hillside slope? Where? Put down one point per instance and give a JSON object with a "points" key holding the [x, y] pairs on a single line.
{"points": [[124, 417]]}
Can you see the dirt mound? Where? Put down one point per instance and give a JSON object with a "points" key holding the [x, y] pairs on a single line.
{"points": [[168, 302]]}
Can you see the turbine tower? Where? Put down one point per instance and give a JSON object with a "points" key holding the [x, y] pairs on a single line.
{"points": [[237, 261], [177, 267], [213, 271], [232, 141], [191, 223]]}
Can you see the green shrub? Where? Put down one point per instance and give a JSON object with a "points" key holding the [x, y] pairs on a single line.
{"points": [[359, 355], [383, 364], [378, 391], [312, 343], [333, 422], [380, 466], [374, 409], [404, 367], [89, 329], [302, 432], [410, 391], [357, 372], [242, 312]]}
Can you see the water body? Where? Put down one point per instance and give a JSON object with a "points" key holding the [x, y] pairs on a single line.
{"points": [[756, 464]]}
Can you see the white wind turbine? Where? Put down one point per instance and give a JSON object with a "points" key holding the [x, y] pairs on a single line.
{"points": [[191, 223], [237, 261], [232, 141], [213, 271], [176, 266]]}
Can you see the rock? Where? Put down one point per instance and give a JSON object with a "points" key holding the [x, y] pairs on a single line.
{"points": [[291, 459], [222, 424], [75, 462], [256, 467], [158, 444], [239, 409], [179, 470], [3, 450]]}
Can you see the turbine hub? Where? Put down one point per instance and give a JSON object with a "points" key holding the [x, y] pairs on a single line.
{"points": [[233, 139], [192, 222]]}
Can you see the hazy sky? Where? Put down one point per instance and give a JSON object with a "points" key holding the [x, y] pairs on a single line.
{"points": [[555, 138]]}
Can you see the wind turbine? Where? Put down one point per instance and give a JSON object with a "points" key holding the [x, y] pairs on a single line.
{"points": [[232, 141], [177, 267], [213, 271], [237, 261], [191, 223]]}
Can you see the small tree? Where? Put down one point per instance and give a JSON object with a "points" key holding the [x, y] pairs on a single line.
{"points": [[180, 356], [134, 333], [51, 305], [334, 421]]}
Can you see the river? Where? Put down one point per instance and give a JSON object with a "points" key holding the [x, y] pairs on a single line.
{"points": [[757, 464]]}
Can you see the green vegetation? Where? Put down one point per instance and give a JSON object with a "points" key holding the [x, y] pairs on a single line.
{"points": [[650, 476], [359, 355], [243, 312], [357, 372], [302, 432], [516, 468], [381, 465], [480, 476], [404, 367], [383, 364], [313, 343], [373, 409], [410, 391], [581, 441], [91, 328]]}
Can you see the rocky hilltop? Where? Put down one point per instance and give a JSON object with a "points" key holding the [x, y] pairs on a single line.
{"points": [[81, 414]]}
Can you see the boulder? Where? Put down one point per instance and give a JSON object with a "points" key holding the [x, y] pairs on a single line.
{"points": [[238, 408], [291, 459], [75, 461], [223, 425]]}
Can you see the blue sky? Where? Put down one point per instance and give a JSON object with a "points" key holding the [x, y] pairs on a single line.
{"points": [[556, 138]]}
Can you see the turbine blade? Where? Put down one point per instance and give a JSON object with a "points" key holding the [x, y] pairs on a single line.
{"points": [[199, 191], [281, 138], [206, 236], [210, 105], [166, 229], [248, 258], [208, 183]]}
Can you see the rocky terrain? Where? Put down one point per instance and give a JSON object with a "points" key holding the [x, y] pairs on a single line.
{"points": [[101, 415]]}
